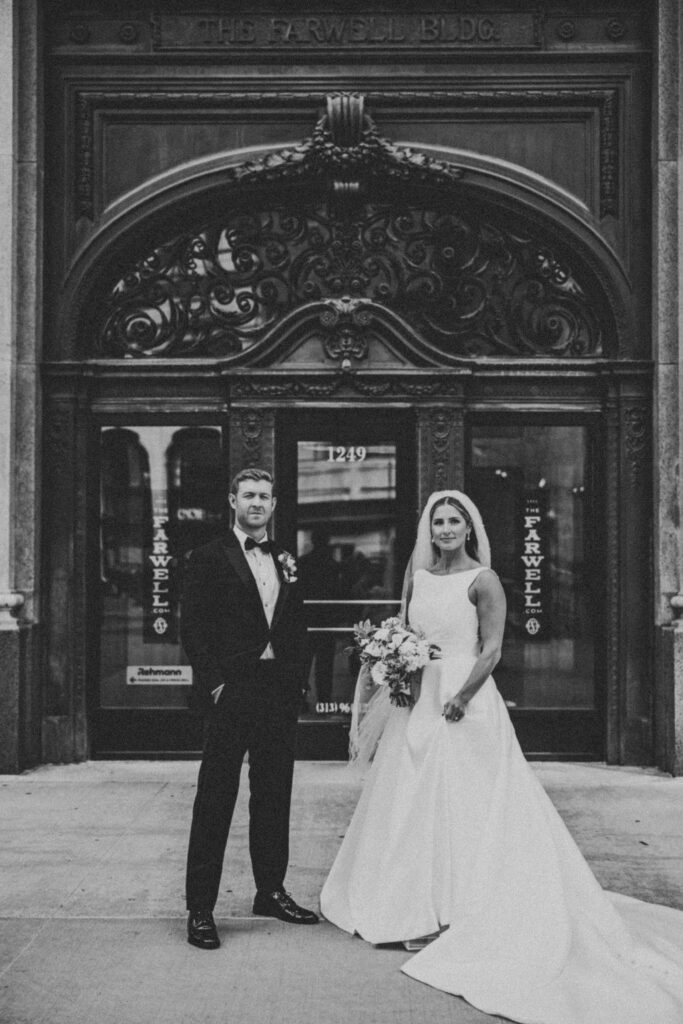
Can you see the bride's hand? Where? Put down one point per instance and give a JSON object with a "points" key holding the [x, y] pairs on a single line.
{"points": [[454, 709]]}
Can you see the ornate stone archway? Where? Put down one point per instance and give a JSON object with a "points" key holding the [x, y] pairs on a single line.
{"points": [[349, 269]]}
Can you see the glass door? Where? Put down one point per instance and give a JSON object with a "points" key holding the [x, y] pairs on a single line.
{"points": [[163, 491], [346, 497], [534, 483]]}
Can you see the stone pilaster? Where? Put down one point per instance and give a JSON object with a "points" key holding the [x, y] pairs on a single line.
{"points": [[20, 274], [441, 451], [667, 173]]}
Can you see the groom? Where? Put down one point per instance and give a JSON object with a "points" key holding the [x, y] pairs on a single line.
{"points": [[243, 630]]}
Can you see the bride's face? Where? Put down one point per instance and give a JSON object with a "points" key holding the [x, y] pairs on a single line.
{"points": [[449, 528]]}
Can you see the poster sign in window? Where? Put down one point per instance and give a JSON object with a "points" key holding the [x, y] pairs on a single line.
{"points": [[160, 620], [159, 675], [533, 567]]}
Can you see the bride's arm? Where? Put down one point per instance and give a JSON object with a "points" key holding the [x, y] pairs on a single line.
{"points": [[491, 609]]}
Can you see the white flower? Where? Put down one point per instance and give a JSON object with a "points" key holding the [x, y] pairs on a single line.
{"points": [[289, 566], [379, 673]]}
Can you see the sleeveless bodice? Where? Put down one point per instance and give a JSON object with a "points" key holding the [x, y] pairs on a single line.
{"points": [[441, 609]]}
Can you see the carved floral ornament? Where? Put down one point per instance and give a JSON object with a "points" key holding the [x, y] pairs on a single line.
{"points": [[459, 277]]}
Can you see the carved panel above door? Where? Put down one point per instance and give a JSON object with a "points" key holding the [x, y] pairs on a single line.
{"points": [[468, 285]]}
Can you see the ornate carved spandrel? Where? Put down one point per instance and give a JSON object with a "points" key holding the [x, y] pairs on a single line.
{"points": [[440, 449]]}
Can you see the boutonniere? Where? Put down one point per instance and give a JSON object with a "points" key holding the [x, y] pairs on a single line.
{"points": [[289, 566]]}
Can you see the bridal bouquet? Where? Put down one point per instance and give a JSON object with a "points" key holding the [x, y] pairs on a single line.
{"points": [[395, 656]]}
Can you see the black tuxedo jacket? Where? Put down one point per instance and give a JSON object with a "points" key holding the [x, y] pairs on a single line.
{"points": [[224, 628]]}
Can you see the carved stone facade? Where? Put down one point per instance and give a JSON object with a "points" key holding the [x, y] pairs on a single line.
{"points": [[241, 245]]}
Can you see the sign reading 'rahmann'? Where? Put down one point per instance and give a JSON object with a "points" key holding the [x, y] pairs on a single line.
{"points": [[327, 31]]}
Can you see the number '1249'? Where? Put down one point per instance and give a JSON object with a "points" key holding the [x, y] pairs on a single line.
{"points": [[344, 453]]}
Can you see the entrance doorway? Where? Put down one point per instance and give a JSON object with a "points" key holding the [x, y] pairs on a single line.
{"points": [[347, 494], [347, 485], [535, 484], [163, 491]]}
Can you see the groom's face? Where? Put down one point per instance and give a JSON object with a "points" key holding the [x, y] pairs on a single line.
{"points": [[253, 505]]}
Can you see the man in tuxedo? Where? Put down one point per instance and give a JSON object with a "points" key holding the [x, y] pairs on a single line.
{"points": [[243, 630]]}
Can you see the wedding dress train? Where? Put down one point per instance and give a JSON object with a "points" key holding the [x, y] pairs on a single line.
{"points": [[453, 830]]}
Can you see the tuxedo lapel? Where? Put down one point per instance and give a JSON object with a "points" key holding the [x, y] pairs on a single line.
{"points": [[238, 561], [284, 590]]}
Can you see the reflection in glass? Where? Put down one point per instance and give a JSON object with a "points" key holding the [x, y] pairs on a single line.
{"points": [[346, 541], [162, 493], [530, 485]]}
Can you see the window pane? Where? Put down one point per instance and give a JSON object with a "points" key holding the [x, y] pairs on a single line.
{"points": [[530, 485], [162, 493], [346, 541]]}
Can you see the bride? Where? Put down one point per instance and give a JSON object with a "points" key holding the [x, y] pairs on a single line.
{"points": [[455, 841]]}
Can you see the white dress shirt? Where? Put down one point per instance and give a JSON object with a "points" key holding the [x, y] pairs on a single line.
{"points": [[268, 582]]}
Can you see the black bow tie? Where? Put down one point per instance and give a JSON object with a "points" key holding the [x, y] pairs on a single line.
{"points": [[251, 543]]}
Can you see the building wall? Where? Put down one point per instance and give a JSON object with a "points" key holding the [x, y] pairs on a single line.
{"points": [[20, 331], [29, 713], [667, 196]]}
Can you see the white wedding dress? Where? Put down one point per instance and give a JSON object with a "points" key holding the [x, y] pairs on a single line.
{"points": [[453, 829]]}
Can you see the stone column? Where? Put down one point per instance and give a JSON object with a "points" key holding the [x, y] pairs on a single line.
{"points": [[20, 275], [667, 175]]}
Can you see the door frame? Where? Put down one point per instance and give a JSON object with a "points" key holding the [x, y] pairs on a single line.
{"points": [[78, 397], [324, 740], [566, 733], [135, 733]]}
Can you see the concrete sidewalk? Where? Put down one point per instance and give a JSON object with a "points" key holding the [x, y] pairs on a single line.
{"points": [[92, 919]]}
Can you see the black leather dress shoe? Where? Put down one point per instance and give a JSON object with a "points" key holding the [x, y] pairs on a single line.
{"points": [[201, 930], [281, 905]]}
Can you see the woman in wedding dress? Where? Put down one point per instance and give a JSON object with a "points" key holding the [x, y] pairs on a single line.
{"points": [[453, 834]]}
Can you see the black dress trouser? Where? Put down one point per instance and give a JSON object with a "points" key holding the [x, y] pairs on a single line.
{"points": [[259, 719]]}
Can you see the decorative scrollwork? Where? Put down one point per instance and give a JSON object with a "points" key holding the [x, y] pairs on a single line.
{"points": [[441, 429], [470, 287], [637, 439]]}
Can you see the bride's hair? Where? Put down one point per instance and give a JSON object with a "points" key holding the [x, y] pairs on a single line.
{"points": [[471, 543]]}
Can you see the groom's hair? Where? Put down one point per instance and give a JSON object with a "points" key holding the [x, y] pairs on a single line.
{"points": [[249, 474]]}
